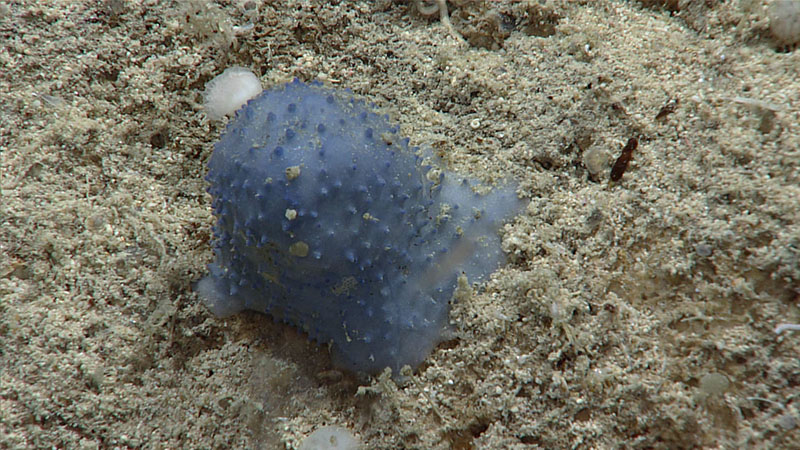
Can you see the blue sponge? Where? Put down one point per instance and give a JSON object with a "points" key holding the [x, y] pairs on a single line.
{"points": [[328, 221]]}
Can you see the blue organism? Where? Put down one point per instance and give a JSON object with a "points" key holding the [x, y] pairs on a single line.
{"points": [[328, 221]]}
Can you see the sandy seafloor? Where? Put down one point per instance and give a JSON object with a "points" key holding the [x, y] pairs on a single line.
{"points": [[624, 308]]}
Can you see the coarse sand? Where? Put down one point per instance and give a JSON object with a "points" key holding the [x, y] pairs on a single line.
{"points": [[632, 314]]}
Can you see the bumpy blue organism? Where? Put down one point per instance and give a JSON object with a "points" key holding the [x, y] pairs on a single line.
{"points": [[328, 221]]}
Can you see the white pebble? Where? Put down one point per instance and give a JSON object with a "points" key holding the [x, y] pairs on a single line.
{"points": [[229, 91], [330, 438], [784, 20]]}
